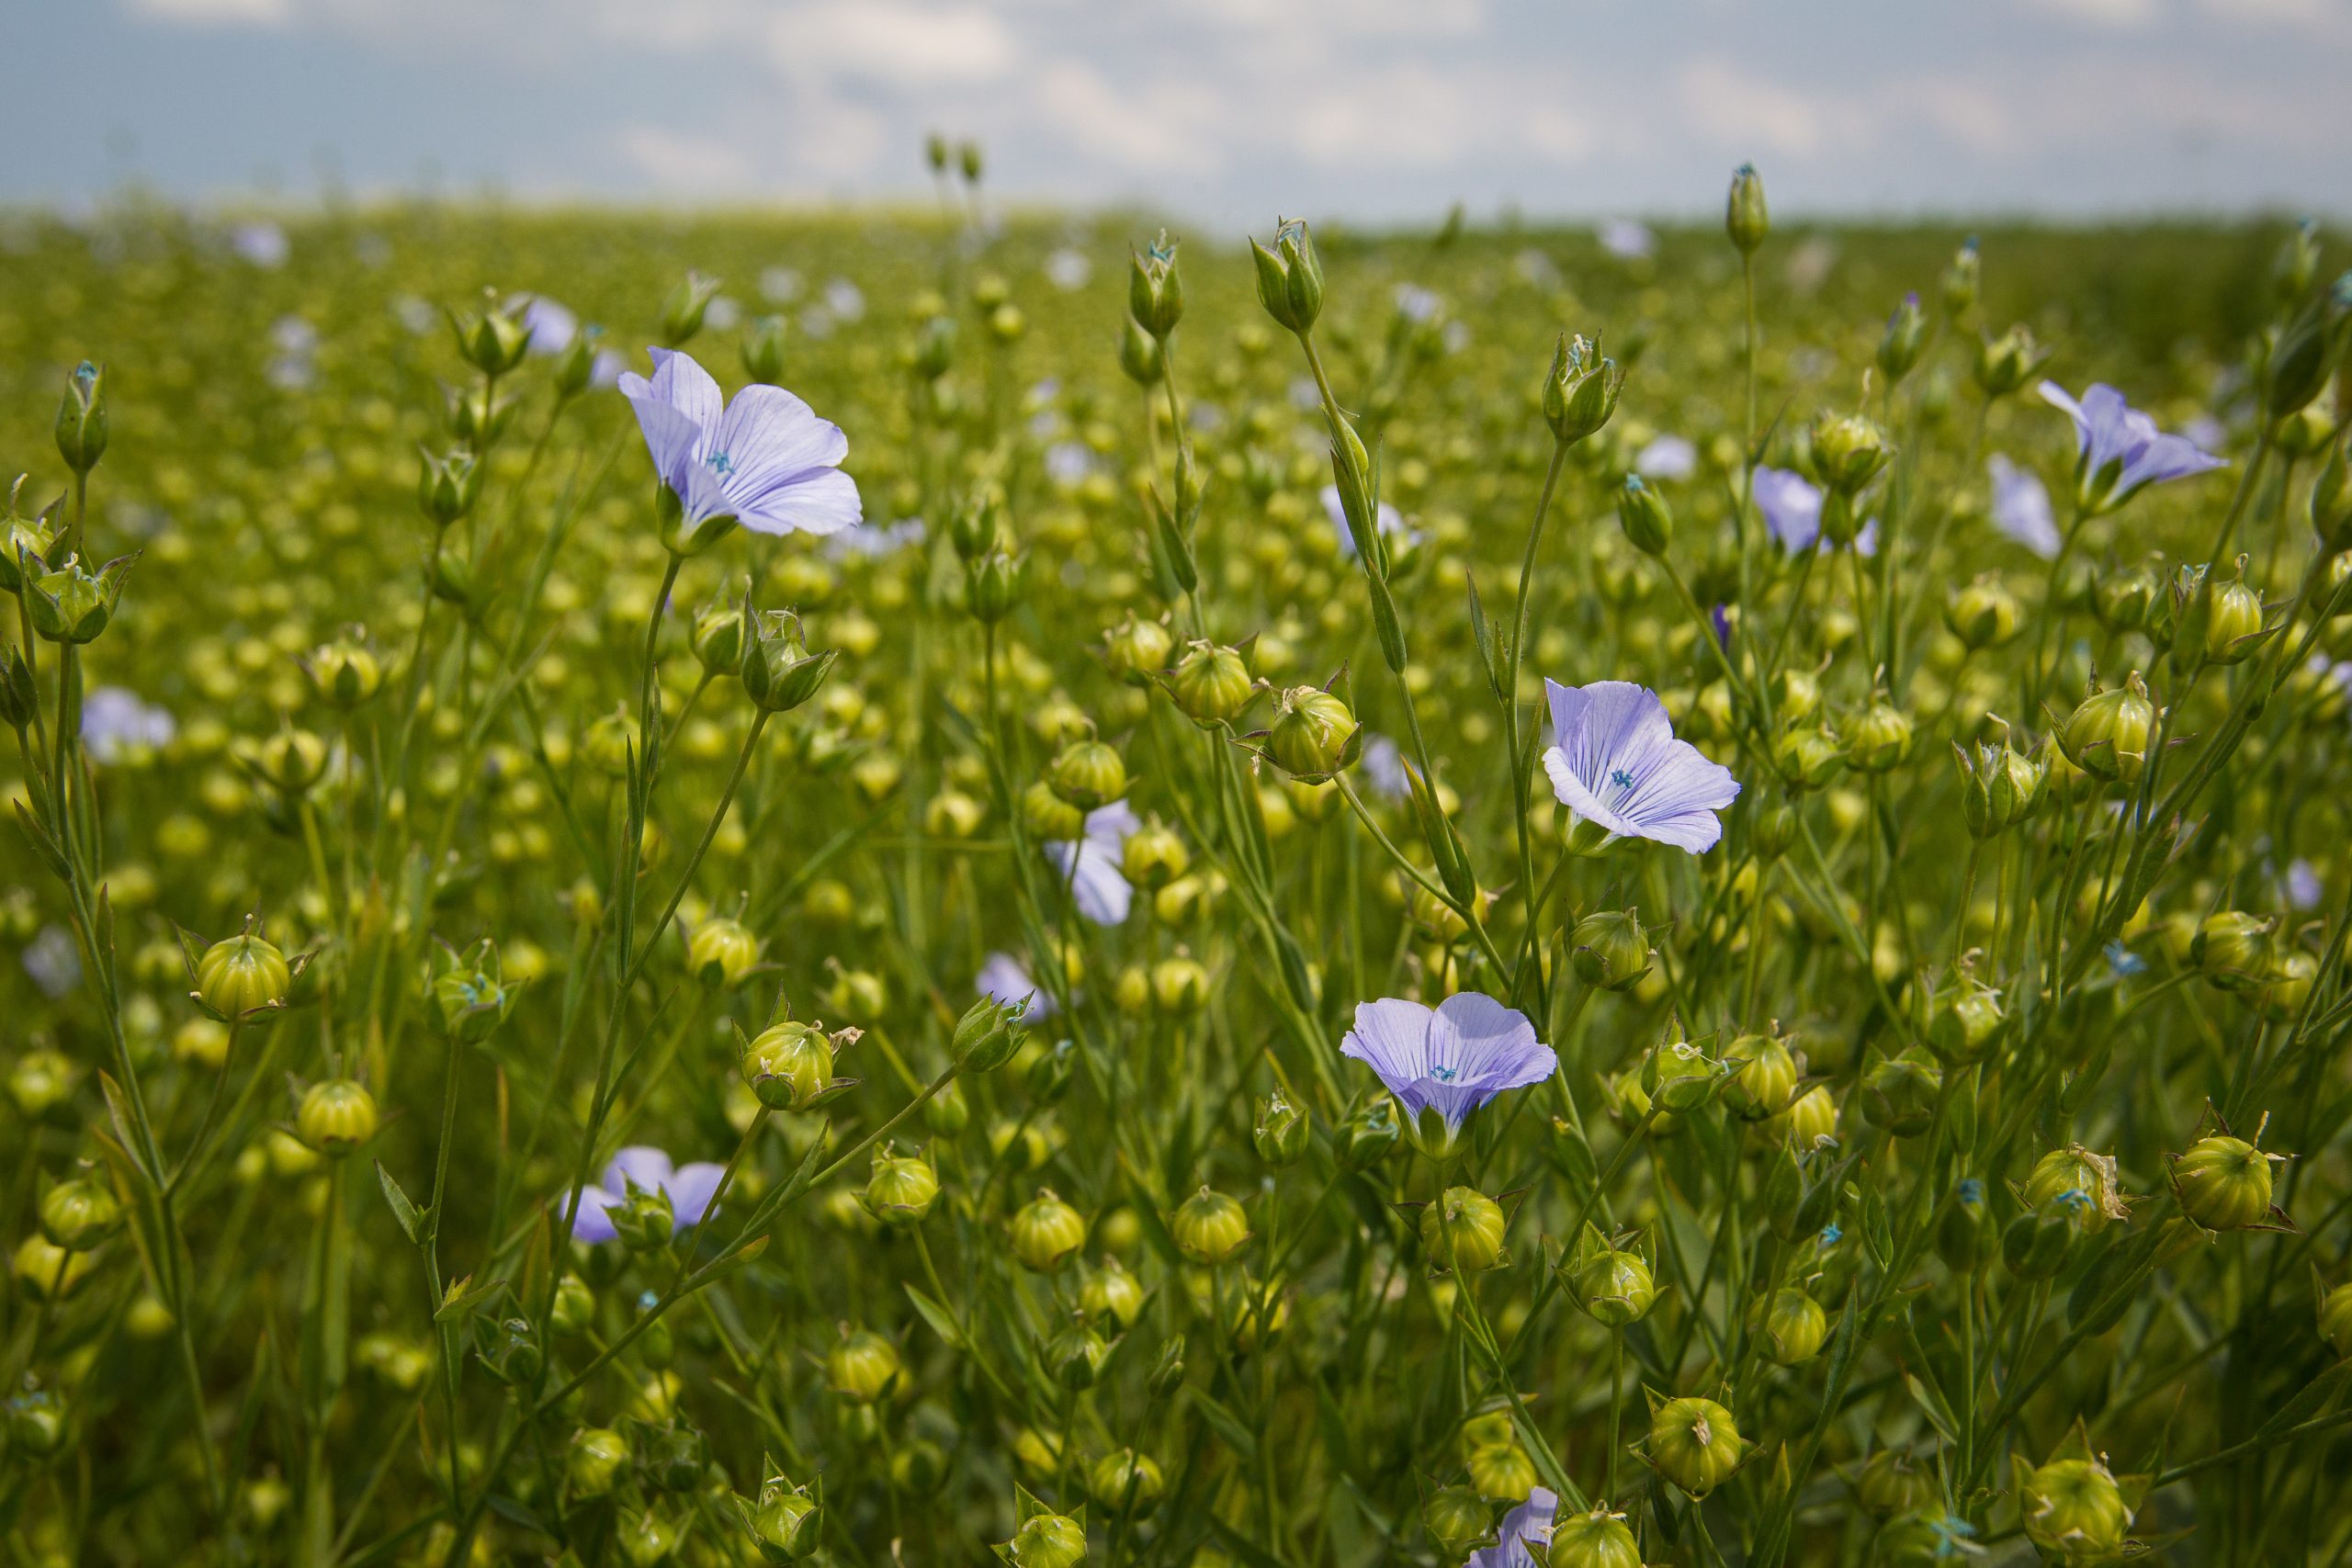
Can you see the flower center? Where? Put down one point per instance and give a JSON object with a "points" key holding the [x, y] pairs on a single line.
{"points": [[1620, 778], [720, 463], [1445, 1074]]}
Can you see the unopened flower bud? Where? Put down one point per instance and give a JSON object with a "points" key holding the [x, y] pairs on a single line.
{"points": [[1789, 1328], [1961, 280], [2233, 950], [1744, 218], [987, 1035], [344, 672], [1124, 1482], [1140, 355], [1368, 1132], [1580, 391], [1899, 347], [82, 418], [1642, 513], [722, 952], [2007, 363], [1155, 288], [1290, 278], [777, 670], [448, 486], [992, 586], [1135, 650], [1047, 1540], [1982, 613], [683, 309], [1283, 1130], [1764, 1079], [764, 350]]}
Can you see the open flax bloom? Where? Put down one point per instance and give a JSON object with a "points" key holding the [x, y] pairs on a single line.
{"points": [[1442, 1063], [1616, 765]]}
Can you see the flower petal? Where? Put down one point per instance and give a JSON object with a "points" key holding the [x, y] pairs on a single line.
{"points": [[1100, 890], [820, 500], [770, 436], [592, 1223], [642, 1163], [685, 385], [1392, 1038], [690, 1189], [1493, 1047]]}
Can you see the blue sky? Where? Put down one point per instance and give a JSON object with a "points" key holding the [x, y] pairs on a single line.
{"points": [[1223, 110]]}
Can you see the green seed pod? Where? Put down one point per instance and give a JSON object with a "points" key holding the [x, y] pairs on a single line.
{"points": [[1765, 1079], [993, 585], [1502, 1472], [1046, 1231], [1463, 1231], [346, 673], [1088, 774], [784, 1521], [1154, 855], [1894, 1483], [722, 952], [336, 1116], [1613, 1287], [1608, 950], [2107, 735], [1899, 1094], [1289, 279], [1679, 1077], [762, 349], [2076, 1169], [1963, 1021], [1112, 1293], [2224, 1183], [2335, 1319], [1125, 1482], [790, 1066], [2233, 950], [1368, 1132], [1790, 1327], [82, 418], [1135, 650], [1210, 685], [79, 1214], [862, 1366], [2124, 601], [1209, 1227], [1595, 1539], [593, 1464], [1695, 1444], [901, 1189], [1457, 1519], [1047, 1540], [2008, 362], [1899, 347], [1877, 737], [1961, 280], [1140, 355], [1982, 613], [1849, 451], [242, 975], [684, 308], [1580, 391], [1808, 757], [1155, 288], [1315, 734], [1075, 1355], [2073, 1509], [574, 1308]]}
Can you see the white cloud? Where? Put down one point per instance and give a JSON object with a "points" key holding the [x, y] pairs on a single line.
{"points": [[684, 163], [892, 41], [1746, 113]]}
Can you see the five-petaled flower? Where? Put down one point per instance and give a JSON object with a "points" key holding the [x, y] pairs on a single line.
{"points": [[1616, 765], [2120, 451], [764, 460], [644, 1168], [1443, 1062]]}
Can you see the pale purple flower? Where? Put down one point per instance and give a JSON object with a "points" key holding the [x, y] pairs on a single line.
{"points": [[551, 326], [417, 315], [1533, 267], [2304, 889], [690, 1189], [1792, 507], [1069, 462], [1067, 269], [779, 286], [1443, 1062], [1417, 304], [54, 961], [260, 243], [2021, 507], [117, 724], [1615, 763], [765, 460], [606, 369], [1667, 457], [1385, 766], [1090, 864], [1002, 980], [844, 300], [1392, 521], [875, 543], [1626, 239], [1532, 1520], [2120, 451], [723, 314], [2206, 431]]}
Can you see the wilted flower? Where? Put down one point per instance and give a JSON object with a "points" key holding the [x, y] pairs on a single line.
{"points": [[764, 460], [2120, 451], [643, 1169], [1441, 1063], [1616, 764]]}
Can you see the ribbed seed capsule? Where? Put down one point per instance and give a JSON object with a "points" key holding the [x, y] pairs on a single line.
{"points": [[862, 1366], [242, 973], [1789, 1328], [1463, 1231], [1595, 1539], [1695, 1444], [2224, 1183], [1046, 1231], [1209, 1227], [2073, 1509]]}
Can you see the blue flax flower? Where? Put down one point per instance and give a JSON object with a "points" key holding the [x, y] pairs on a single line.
{"points": [[764, 460], [1616, 764], [648, 1169], [1090, 865], [1442, 1063], [2120, 451], [2021, 507], [1532, 1520]]}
